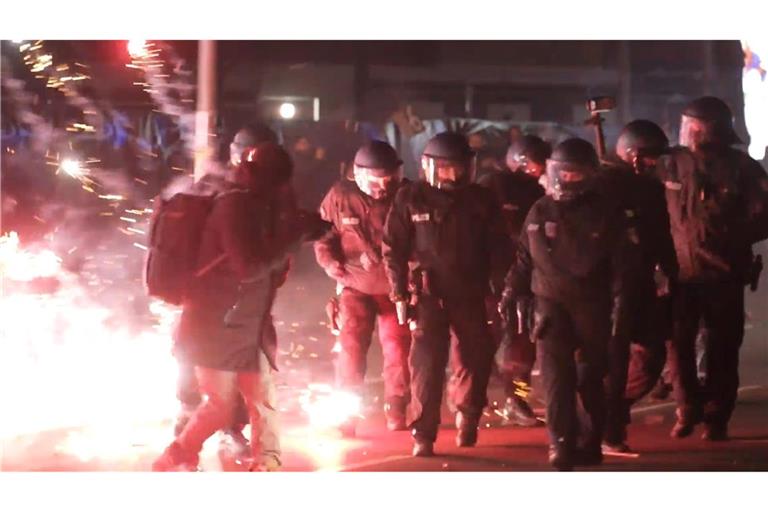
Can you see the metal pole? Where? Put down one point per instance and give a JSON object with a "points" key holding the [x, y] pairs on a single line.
{"points": [[206, 105]]}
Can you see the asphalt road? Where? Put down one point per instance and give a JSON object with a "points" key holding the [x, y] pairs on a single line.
{"points": [[307, 358]]}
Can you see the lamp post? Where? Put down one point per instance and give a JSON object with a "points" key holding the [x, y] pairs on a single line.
{"points": [[206, 105]]}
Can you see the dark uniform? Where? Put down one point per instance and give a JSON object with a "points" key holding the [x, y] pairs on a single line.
{"points": [[575, 257], [515, 192], [641, 198], [718, 207], [355, 244], [441, 236]]}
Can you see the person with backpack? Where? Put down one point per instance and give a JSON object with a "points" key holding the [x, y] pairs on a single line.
{"points": [[232, 442], [226, 304], [717, 197]]}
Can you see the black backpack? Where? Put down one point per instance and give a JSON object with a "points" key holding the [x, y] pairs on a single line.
{"points": [[175, 233]]}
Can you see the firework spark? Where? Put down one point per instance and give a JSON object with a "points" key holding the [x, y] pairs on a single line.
{"points": [[75, 360], [327, 407]]}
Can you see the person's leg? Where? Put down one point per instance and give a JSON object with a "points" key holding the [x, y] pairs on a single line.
{"points": [[648, 356], [216, 411], [591, 321], [473, 358], [427, 362], [259, 394], [554, 334], [682, 358], [724, 319], [617, 357], [188, 395], [358, 317], [515, 362], [395, 342], [646, 362]]}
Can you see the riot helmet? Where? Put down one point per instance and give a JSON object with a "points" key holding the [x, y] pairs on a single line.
{"points": [[641, 143], [571, 169], [707, 121], [448, 162], [377, 169], [528, 154]]}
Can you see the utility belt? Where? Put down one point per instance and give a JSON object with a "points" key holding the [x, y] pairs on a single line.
{"points": [[420, 285], [521, 320]]}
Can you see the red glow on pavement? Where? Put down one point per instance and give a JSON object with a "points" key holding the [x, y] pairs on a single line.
{"points": [[69, 361]]}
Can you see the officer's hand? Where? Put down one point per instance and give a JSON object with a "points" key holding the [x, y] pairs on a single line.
{"points": [[506, 307], [336, 271], [366, 261], [401, 308], [618, 317]]}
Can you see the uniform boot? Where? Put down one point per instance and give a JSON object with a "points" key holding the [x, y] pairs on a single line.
{"points": [[590, 455], [715, 432], [467, 430], [422, 447], [175, 458], [518, 412], [615, 447], [615, 442], [394, 411], [686, 422], [561, 457]]}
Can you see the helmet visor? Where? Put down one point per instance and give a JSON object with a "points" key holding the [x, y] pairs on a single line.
{"points": [[567, 180], [530, 167], [447, 174], [376, 183], [695, 132]]}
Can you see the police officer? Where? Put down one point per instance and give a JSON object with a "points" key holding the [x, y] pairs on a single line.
{"points": [[442, 236], [575, 257], [528, 154], [351, 255], [516, 191], [632, 183], [718, 206]]}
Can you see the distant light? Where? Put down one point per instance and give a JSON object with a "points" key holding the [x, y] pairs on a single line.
{"points": [[72, 167], [137, 48], [17, 41], [287, 110]]}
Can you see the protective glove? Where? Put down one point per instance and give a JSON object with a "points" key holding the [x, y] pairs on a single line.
{"points": [[336, 271], [507, 307], [618, 320], [366, 261]]}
